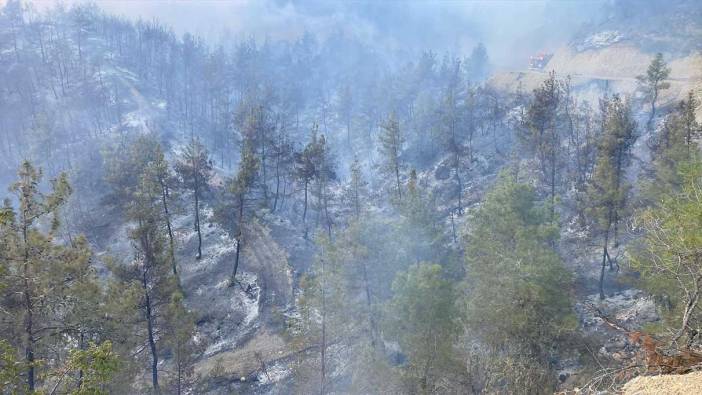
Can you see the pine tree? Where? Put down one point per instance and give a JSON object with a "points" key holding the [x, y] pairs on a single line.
{"points": [[322, 320], [667, 256], [419, 228], [306, 167], [608, 187], [259, 130], [391, 142], [653, 82], [11, 369], [96, 366], [673, 146], [423, 318], [315, 164], [149, 275], [325, 175], [543, 132], [690, 125], [159, 173], [477, 64], [125, 165], [241, 187], [518, 300], [284, 159], [42, 273], [180, 331], [195, 170], [138, 166], [451, 121], [357, 189], [472, 118]]}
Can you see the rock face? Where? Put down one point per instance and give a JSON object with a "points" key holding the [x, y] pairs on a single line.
{"points": [[668, 384]]}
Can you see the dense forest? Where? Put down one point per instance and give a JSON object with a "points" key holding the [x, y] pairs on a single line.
{"points": [[324, 215]]}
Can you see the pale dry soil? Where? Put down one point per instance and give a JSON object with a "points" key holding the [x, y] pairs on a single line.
{"points": [[685, 384]]}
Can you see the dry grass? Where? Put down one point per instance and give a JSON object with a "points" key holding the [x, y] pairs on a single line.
{"points": [[667, 384]]}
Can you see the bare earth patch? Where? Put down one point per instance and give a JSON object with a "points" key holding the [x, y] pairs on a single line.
{"points": [[667, 384]]}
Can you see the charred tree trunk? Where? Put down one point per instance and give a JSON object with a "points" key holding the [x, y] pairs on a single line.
{"points": [[277, 183], [604, 258], [152, 341], [197, 222], [649, 124], [166, 212], [29, 331], [397, 181], [369, 305], [239, 239], [304, 211], [29, 310], [323, 348]]}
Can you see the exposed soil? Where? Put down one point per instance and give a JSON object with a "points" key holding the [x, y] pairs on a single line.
{"points": [[686, 384]]}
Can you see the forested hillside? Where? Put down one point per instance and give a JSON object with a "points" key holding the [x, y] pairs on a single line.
{"points": [[324, 214]]}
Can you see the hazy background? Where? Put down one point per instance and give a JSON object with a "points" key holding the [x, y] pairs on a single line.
{"points": [[511, 30]]}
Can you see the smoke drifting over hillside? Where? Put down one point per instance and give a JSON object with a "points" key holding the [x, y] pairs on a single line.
{"points": [[511, 30], [348, 197]]}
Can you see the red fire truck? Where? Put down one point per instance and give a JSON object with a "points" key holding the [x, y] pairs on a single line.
{"points": [[539, 61]]}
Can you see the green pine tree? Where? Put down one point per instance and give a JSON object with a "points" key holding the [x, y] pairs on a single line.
{"points": [[195, 170], [653, 82], [608, 187], [668, 254], [424, 319], [518, 303]]}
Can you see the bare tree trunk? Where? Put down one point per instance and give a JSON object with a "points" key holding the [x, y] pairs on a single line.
{"points": [[29, 319], [604, 262], [649, 124], [323, 350], [356, 201], [171, 245], [453, 227], [369, 305], [239, 239], [326, 214], [179, 384], [620, 155], [397, 180], [197, 223], [460, 187], [690, 306], [152, 342], [553, 181], [304, 212], [29, 330], [277, 182]]}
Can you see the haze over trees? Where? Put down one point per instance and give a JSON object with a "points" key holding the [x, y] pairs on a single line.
{"points": [[336, 211]]}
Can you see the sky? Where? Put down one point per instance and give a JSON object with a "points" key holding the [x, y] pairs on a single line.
{"points": [[511, 30]]}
